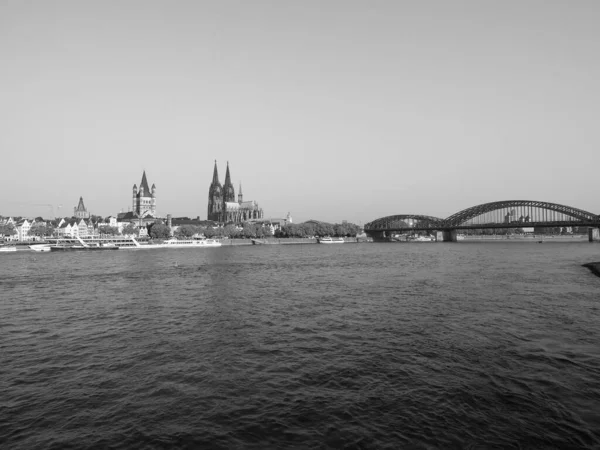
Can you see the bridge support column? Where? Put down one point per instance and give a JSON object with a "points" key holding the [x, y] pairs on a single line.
{"points": [[378, 236], [449, 236], [594, 234]]}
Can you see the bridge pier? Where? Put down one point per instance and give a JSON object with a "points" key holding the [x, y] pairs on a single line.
{"points": [[594, 234], [449, 236], [378, 236]]}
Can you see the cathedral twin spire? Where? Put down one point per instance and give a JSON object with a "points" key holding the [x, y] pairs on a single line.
{"points": [[219, 196], [228, 190], [222, 206], [215, 180]]}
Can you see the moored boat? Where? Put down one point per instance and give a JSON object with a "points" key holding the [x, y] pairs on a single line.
{"points": [[77, 243], [330, 240], [189, 243], [40, 247], [8, 248]]}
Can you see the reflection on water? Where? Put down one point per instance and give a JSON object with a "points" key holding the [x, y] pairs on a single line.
{"points": [[482, 345]]}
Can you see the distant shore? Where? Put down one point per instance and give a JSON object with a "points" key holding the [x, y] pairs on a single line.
{"points": [[283, 241], [536, 237], [236, 241]]}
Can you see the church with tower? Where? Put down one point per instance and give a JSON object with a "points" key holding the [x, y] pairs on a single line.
{"points": [[144, 199], [143, 211], [222, 204]]}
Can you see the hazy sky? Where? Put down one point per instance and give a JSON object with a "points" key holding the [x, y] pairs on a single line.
{"points": [[330, 110]]}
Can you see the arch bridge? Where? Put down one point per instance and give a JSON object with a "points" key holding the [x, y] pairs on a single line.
{"points": [[507, 214]]}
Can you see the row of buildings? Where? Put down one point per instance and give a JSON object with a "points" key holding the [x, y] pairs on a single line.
{"points": [[223, 208], [73, 227]]}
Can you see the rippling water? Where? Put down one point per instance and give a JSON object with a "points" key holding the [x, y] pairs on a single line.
{"points": [[468, 345]]}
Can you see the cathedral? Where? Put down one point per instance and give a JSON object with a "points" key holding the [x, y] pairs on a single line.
{"points": [[222, 206]]}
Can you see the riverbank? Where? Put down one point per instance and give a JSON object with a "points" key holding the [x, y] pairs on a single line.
{"points": [[284, 241], [533, 238]]}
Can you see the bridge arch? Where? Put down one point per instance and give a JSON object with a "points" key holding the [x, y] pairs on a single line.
{"points": [[400, 221], [467, 214]]}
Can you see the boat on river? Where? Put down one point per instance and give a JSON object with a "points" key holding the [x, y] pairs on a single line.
{"points": [[79, 244], [120, 243], [133, 244], [40, 247], [330, 240], [421, 239], [189, 243], [8, 248]]}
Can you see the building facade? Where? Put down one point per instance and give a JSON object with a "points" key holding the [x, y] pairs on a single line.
{"points": [[223, 206]]}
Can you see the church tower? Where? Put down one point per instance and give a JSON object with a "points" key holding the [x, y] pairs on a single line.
{"points": [[80, 211], [240, 196], [144, 199], [228, 191], [215, 196]]}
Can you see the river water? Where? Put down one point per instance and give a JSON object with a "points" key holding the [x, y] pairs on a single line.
{"points": [[465, 345]]}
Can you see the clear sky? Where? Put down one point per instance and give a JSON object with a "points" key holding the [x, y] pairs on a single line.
{"points": [[332, 110]]}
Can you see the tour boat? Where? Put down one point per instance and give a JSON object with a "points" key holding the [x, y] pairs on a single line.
{"points": [[189, 243], [422, 239], [330, 240], [40, 247], [77, 243], [172, 243], [8, 248]]}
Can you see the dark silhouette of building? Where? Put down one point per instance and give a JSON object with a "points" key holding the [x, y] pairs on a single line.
{"points": [[222, 206]]}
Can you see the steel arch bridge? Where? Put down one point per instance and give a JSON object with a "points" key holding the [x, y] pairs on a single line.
{"points": [[502, 214], [411, 221], [529, 207]]}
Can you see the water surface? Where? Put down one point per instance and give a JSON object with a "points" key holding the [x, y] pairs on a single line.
{"points": [[468, 345]]}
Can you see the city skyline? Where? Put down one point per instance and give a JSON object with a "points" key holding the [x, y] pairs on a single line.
{"points": [[332, 111]]}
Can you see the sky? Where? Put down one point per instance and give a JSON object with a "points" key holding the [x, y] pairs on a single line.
{"points": [[328, 110]]}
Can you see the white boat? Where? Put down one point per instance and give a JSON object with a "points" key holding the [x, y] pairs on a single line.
{"points": [[8, 248], [123, 243], [330, 240], [173, 243], [40, 247], [189, 243], [423, 239]]}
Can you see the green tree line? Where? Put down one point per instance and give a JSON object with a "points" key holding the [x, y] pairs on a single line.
{"points": [[309, 229], [249, 230]]}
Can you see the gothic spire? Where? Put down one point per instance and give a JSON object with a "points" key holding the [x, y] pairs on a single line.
{"points": [[228, 189], [227, 176], [240, 196], [215, 175]]}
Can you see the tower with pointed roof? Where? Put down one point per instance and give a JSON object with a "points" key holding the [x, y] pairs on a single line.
{"points": [[80, 211], [240, 196], [144, 199], [215, 197], [228, 191]]}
